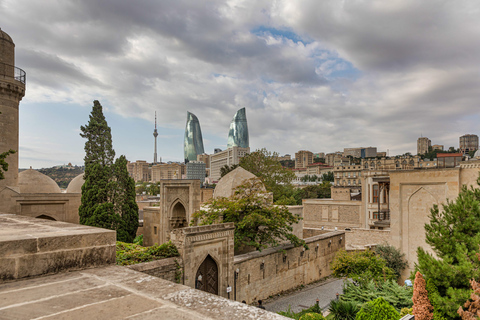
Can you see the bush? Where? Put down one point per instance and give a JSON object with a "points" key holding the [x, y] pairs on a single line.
{"points": [[343, 310], [379, 309], [406, 311], [130, 253], [394, 258], [315, 309], [312, 316], [361, 266], [399, 297]]}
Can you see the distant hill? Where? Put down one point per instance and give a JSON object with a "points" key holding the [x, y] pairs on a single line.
{"points": [[62, 174]]}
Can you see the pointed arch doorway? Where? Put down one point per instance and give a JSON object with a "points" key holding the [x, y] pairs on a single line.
{"points": [[207, 276]]}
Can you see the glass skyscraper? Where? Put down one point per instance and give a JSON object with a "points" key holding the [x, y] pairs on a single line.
{"points": [[193, 143], [238, 133]]}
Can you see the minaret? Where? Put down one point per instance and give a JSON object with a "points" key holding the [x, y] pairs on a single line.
{"points": [[12, 90], [155, 134]]}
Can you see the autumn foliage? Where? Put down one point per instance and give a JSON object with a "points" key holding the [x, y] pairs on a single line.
{"points": [[472, 308], [422, 308]]}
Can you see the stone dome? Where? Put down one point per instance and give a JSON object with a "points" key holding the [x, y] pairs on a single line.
{"points": [[477, 154], [75, 186], [226, 186], [32, 181]]}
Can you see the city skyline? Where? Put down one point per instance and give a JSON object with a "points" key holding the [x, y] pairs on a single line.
{"points": [[318, 76]]}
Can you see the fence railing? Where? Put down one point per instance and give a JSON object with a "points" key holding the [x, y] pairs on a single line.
{"points": [[9, 71]]}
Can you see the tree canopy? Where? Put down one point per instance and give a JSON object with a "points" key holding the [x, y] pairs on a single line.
{"points": [[454, 235], [108, 194], [265, 166], [258, 223], [3, 163]]}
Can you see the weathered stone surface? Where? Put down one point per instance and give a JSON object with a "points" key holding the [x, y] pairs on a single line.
{"points": [[32, 247], [116, 292]]}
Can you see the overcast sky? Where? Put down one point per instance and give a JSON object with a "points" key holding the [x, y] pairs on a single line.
{"points": [[314, 75]]}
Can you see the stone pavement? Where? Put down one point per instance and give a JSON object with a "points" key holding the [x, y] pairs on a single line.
{"points": [[299, 300], [116, 292]]}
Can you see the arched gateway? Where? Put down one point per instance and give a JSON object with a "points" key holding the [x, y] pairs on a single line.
{"points": [[207, 276]]}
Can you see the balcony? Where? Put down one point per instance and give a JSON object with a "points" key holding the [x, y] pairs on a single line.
{"points": [[8, 71], [381, 218]]}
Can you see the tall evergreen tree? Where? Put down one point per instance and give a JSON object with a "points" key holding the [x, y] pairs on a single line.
{"points": [[108, 194], [3, 163], [454, 235]]}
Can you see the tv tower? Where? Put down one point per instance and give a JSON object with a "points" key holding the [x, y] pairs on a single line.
{"points": [[155, 134]]}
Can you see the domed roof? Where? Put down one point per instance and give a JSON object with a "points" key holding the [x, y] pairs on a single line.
{"points": [[477, 154], [5, 36], [32, 181], [75, 186], [227, 185]]}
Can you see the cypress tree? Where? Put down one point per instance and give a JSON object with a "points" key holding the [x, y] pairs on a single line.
{"points": [[107, 197]]}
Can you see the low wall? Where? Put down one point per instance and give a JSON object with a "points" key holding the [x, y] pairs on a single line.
{"points": [[330, 213], [359, 238], [312, 232], [169, 269], [274, 270]]}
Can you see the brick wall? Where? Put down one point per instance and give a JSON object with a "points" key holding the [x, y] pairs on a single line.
{"points": [[169, 269], [274, 270], [364, 237]]}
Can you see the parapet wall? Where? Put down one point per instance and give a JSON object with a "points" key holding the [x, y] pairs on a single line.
{"points": [[169, 269], [32, 247], [274, 270]]}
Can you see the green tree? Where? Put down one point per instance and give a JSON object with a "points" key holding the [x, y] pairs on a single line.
{"points": [[454, 235], [343, 310], [328, 176], [226, 169], [394, 258], [107, 192], [124, 200], [258, 223], [361, 266], [379, 309], [264, 165]]}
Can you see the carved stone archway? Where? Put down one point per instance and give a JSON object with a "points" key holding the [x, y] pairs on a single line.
{"points": [[178, 216]]}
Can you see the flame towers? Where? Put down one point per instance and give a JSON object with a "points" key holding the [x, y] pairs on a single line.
{"points": [[193, 142], [238, 133]]}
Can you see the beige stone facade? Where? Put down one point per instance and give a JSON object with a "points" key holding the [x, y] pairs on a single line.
{"points": [[303, 159], [168, 171], [468, 142], [227, 157], [332, 158], [139, 170], [179, 200], [328, 213], [318, 169]]}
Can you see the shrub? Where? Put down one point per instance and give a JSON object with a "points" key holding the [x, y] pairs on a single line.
{"points": [[406, 311], [399, 297], [130, 253], [315, 309], [379, 309], [361, 266], [312, 316], [394, 258], [422, 308], [343, 310]]}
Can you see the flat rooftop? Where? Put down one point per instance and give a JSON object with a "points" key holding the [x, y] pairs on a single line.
{"points": [[116, 292]]}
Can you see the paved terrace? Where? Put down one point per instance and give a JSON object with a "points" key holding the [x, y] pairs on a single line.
{"points": [[29, 247]]}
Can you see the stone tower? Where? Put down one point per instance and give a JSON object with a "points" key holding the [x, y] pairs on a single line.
{"points": [[12, 90]]}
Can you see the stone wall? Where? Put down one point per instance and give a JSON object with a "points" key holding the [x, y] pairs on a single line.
{"points": [[274, 270], [311, 232], [330, 213], [169, 269], [359, 238]]}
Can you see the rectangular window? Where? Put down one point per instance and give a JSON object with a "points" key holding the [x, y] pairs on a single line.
{"points": [[375, 193], [375, 215]]}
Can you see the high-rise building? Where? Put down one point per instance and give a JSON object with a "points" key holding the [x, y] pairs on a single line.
{"points": [[369, 152], [468, 142], [167, 171], [196, 170], [139, 170], [423, 145], [303, 158], [193, 142], [238, 133], [227, 157], [155, 134]]}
